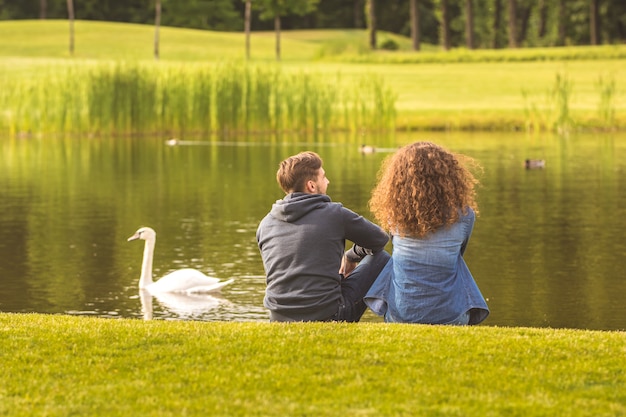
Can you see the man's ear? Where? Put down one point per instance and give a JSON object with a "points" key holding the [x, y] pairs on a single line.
{"points": [[310, 186]]}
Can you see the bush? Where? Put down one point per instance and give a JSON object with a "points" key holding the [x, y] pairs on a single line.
{"points": [[389, 45]]}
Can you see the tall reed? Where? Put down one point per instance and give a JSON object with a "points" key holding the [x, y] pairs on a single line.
{"points": [[554, 114], [227, 98], [534, 116], [562, 94], [606, 106]]}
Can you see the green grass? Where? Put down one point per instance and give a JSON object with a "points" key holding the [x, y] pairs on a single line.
{"points": [[488, 90], [192, 99], [62, 365]]}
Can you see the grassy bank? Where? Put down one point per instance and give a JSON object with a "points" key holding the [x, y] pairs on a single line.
{"points": [[456, 90], [61, 365]]}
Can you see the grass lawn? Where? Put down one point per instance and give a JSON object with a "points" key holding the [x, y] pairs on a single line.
{"points": [[61, 365], [431, 95]]}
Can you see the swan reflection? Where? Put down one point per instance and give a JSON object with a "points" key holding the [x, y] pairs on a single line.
{"points": [[182, 305]]}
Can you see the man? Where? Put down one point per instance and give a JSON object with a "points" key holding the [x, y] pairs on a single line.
{"points": [[302, 243]]}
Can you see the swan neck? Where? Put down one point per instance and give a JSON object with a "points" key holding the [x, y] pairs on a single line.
{"points": [[146, 265]]}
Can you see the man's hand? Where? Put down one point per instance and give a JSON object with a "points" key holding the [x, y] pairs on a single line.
{"points": [[347, 266]]}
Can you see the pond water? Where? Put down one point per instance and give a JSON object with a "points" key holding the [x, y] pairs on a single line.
{"points": [[547, 250]]}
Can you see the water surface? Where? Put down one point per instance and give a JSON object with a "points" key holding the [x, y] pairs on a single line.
{"points": [[547, 249]]}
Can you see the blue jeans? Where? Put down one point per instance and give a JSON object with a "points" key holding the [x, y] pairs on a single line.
{"points": [[358, 283]]}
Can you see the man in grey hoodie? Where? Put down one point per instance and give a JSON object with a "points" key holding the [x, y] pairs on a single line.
{"points": [[302, 242]]}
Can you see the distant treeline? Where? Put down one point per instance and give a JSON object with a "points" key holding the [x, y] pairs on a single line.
{"points": [[450, 23]]}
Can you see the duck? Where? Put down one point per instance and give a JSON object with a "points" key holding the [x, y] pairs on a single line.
{"points": [[186, 280], [534, 163]]}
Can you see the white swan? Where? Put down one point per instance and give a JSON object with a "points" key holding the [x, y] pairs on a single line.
{"points": [[185, 280]]}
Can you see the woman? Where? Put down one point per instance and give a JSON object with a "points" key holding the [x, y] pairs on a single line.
{"points": [[425, 199]]}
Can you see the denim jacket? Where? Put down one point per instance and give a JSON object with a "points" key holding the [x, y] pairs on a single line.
{"points": [[427, 280]]}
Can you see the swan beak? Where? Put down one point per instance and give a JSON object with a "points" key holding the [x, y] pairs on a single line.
{"points": [[133, 237]]}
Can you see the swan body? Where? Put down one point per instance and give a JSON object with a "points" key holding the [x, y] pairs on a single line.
{"points": [[186, 280], [367, 149], [178, 142]]}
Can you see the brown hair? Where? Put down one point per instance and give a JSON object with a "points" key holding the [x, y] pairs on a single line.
{"points": [[421, 188], [295, 171]]}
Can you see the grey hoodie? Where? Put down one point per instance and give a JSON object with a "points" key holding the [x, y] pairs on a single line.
{"points": [[302, 241]]}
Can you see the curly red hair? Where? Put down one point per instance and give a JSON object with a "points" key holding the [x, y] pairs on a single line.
{"points": [[421, 188]]}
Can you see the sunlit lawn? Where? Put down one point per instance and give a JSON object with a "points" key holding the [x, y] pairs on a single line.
{"points": [[61, 365], [485, 94]]}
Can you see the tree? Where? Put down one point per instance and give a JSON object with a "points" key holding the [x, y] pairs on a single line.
{"points": [[512, 24], [537, 22], [469, 24], [157, 25], [445, 25], [70, 14], [43, 9], [497, 21], [218, 15], [525, 11], [370, 7], [614, 29], [415, 25], [543, 12], [561, 36], [274, 9], [358, 13], [594, 22], [247, 26]]}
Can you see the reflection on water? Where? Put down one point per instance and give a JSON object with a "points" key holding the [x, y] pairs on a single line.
{"points": [[547, 248], [184, 306]]}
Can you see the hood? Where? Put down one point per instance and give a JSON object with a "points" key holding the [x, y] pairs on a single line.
{"points": [[296, 205]]}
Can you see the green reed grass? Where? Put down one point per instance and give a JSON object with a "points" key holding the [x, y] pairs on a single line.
{"points": [[562, 95], [123, 99], [534, 116], [606, 106], [554, 114]]}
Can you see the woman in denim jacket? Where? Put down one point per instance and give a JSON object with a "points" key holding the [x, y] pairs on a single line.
{"points": [[425, 199]]}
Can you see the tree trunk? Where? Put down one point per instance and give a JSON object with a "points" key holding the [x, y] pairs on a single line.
{"points": [[497, 16], [561, 36], [43, 9], [543, 16], [594, 22], [248, 16], [157, 26], [469, 24], [277, 30], [512, 24], [371, 21], [523, 29], [445, 29], [70, 15], [415, 25]]}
